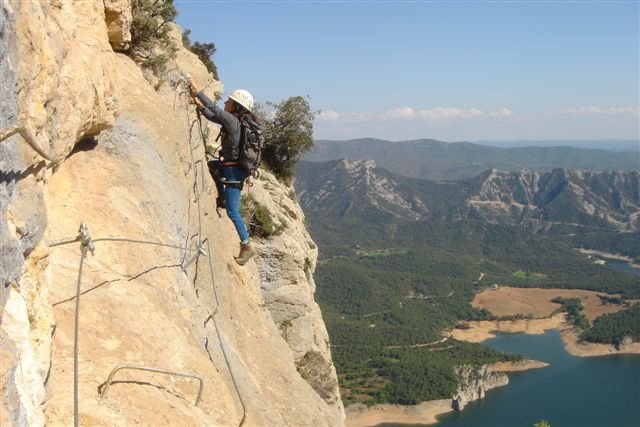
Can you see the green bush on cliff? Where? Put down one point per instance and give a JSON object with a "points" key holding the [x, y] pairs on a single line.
{"points": [[258, 218], [288, 130], [204, 51], [151, 46]]}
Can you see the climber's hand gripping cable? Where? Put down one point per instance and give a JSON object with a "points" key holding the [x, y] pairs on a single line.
{"points": [[193, 90]]}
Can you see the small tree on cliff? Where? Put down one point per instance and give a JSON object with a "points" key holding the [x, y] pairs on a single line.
{"points": [[288, 130], [151, 46], [204, 51]]}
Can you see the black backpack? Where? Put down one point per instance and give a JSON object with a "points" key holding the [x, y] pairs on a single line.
{"points": [[251, 144]]}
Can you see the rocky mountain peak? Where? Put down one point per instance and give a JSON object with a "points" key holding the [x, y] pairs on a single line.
{"points": [[533, 199], [356, 187], [560, 196], [357, 166]]}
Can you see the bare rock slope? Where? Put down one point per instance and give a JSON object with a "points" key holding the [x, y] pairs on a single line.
{"points": [[125, 160]]}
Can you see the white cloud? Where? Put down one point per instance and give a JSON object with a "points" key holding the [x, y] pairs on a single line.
{"points": [[359, 117], [599, 111], [399, 113], [472, 124], [328, 116], [503, 112], [433, 115]]}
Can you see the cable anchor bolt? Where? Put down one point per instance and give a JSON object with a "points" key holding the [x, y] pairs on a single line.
{"points": [[200, 251], [85, 238]]}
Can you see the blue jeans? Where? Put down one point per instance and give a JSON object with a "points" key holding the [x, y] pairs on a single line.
{"points": [[231, 187]]}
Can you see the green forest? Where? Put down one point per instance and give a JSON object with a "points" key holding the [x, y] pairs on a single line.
{"points": [[614, 328], [388, 292]]}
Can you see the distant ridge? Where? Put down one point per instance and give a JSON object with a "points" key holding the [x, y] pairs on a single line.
{"points": [[604, 144], [437, 160], [562, 200]]}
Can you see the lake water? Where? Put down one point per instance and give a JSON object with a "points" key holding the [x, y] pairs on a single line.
{"points": [[571, 392], [624, 266]]}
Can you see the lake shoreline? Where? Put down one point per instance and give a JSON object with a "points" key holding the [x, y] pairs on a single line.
{"points": [[609, 255], [359, 415], [427, 412], [484, 329]]}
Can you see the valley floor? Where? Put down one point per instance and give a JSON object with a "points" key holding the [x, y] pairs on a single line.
{"points": [[359, 415], [536, 302]]}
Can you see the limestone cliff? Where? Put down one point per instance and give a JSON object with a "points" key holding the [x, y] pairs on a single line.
{"points": [[474, 382], [86, 139], [560, 198]]}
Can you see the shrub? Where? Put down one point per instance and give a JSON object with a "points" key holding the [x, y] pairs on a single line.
{"points": [[288, 130], [204, 51], [258, 218], [151, 46]]}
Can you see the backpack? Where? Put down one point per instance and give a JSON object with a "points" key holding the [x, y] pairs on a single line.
{"points": [[251, 144]]}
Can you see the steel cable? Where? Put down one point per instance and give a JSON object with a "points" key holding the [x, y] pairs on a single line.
{"points": [[76, 421], [60, 242], [213, 283], [144, 242]]}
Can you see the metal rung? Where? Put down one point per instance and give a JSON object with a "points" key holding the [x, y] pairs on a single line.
{"points": [[103, 393]]}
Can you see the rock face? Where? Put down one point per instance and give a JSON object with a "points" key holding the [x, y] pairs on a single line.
{"points": [[353, 188], [118, 18], [474, 382], [286, 266], [558, 198], [130, 166]]}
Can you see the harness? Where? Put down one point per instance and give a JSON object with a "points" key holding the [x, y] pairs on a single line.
{"points": [[216, 170], [215, 165]]}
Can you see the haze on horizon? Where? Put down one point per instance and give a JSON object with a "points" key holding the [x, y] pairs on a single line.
{"points": [[452, 71]]}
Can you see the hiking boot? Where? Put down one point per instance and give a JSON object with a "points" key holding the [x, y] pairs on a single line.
{"points": [[246, 253]]}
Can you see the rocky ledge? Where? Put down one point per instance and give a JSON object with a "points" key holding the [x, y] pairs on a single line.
{"points": [[474, 382]]}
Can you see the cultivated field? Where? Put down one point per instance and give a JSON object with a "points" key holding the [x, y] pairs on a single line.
{"points": [[507, 301]]}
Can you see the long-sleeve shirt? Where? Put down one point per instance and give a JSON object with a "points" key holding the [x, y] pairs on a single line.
{"points": [[231, 130]]}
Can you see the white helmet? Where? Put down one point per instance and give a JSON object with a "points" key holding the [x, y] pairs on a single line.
{"points": [[243, 98]]}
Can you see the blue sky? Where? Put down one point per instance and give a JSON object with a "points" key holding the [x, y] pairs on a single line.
{"points": [[449, 70]]}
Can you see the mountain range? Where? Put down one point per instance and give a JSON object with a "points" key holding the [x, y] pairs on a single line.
{"points": [[437, 160], [570, 201]]}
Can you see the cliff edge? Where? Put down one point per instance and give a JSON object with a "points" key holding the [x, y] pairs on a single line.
{"points": [[197, 339]]}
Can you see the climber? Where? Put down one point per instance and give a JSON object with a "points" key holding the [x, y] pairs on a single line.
{"points": [[230, 181]]}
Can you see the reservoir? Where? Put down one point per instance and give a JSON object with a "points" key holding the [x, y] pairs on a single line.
{"points": [[571, 392], [624, 266]]}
